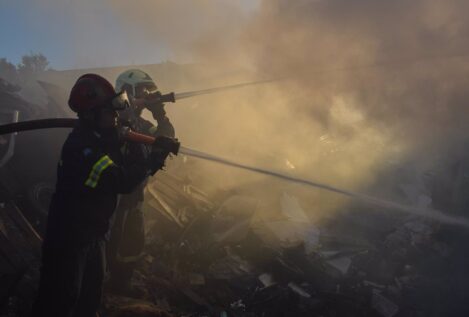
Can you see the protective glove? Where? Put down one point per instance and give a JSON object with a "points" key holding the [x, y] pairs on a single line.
{"points": [[157, 160], [161, 149], [155, 105], [170, 145]]}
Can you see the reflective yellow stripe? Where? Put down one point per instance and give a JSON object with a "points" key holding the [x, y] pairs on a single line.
{"points": [[98, 168]]}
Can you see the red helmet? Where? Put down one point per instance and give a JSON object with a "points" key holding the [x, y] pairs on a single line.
{"points": [[89, 92]]}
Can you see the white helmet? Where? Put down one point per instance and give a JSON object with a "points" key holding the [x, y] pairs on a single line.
{"points": [[135, 81]]}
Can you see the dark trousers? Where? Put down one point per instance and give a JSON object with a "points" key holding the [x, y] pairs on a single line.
{"points": [[71, 281], [126, 242]]}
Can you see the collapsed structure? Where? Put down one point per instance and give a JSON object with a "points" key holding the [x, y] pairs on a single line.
{"points": [[233, 253]]}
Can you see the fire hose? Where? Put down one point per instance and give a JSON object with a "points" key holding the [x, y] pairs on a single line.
{"points": [[174, 147]]}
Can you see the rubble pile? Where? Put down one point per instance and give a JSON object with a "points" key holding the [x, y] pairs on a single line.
{"points": [[19, 259], [224, 257]]}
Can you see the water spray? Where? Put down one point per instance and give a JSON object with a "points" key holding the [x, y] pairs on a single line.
{"points": [[136, 137], [173, 97], [424, 212], [188, 94]]}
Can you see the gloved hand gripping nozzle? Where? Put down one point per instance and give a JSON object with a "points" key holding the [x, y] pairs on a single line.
{"points": [[167, 144], [170, 145]]}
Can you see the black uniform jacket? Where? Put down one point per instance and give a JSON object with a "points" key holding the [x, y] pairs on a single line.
{"points": [[91, 174]]}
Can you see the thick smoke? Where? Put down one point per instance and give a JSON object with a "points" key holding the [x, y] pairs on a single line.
{"points": [[365, 84], [185, 25]]}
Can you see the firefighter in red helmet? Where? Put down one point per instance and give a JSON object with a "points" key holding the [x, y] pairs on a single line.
{"points": [[91, 173]]}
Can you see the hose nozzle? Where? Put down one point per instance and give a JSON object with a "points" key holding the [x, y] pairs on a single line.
{"points": [[168, 144], [157, 97]]}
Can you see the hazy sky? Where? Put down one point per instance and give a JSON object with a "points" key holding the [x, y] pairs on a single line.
{"points": [[81, 34]]}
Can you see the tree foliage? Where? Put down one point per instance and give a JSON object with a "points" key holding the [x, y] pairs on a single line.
{"points": [[8, 71], [31, 65]]}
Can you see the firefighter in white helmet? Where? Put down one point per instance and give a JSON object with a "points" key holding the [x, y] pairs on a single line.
{"points": [[127, 234]]}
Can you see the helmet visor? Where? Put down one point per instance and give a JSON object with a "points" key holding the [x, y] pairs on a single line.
{"points": [[120, 101]]}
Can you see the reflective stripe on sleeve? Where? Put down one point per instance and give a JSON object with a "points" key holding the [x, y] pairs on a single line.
{"points": [[98, 168]]}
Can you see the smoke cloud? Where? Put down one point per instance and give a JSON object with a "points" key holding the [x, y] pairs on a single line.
{"points": [[366, 86]]}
